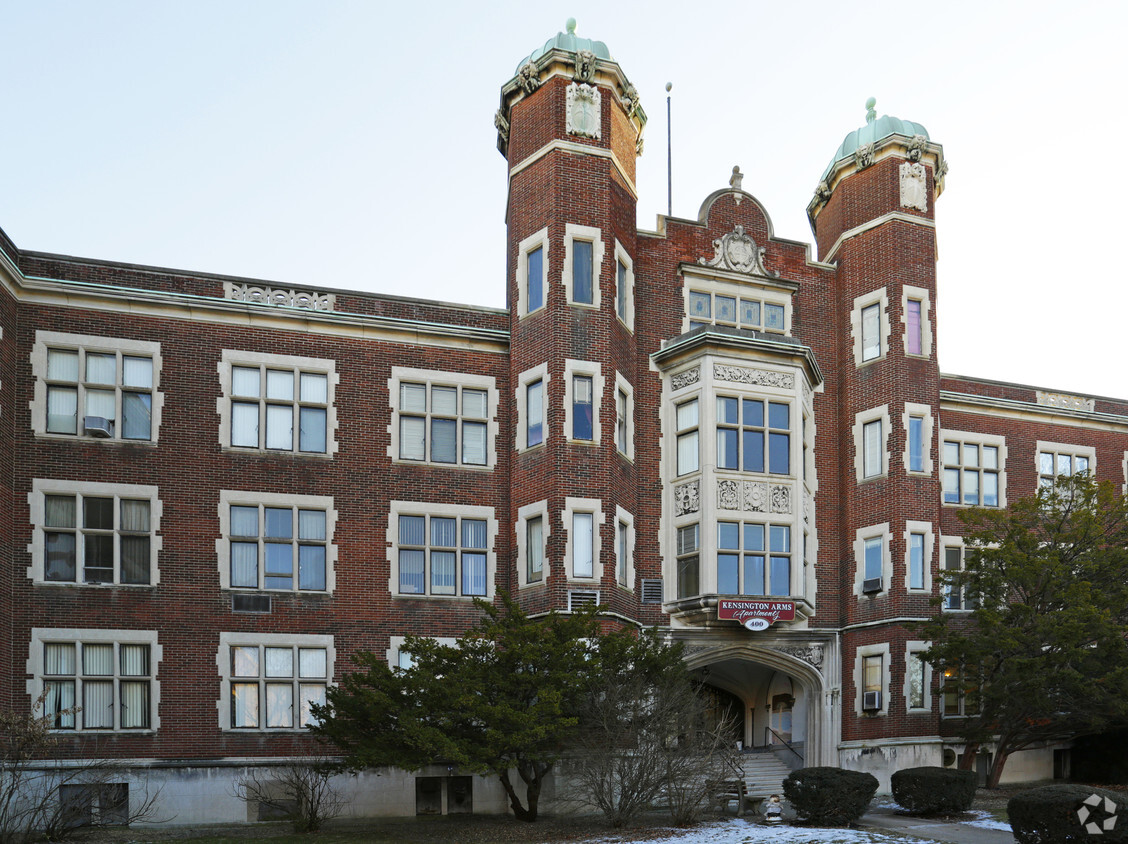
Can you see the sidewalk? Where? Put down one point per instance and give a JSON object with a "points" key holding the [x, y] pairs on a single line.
{"points": [[931, 829]]}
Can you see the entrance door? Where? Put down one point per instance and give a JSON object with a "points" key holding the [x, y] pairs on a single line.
{"points": [[780, 720]]}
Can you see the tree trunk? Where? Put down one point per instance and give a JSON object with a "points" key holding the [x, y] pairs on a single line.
{"points": [[997, 764], [533, 775], [519, 811], [971, 750]]}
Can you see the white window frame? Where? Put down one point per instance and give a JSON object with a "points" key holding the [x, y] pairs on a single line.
{"points": [[594, 507], [228, 640], [624, 522], [970, 438], [524, 514], [228, 497], [531, 376], [713, 288], [530, 244], [397, 657], [882, 532], [440, 510], [860, 420], [878, 297], [594, 236], [924, 528], [863, 651], [37, 506], [83, 343], [593, 370], [914, 647], [35, 668], [230, 358], [1072, 450], [923, 296], [694, 431], [627, 317], [923, 412], [437, 378], [624, 387]]}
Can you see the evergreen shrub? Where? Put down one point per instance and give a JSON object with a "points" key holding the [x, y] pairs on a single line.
{"points": [[829, 796], [931, 790], [1058, 814]]}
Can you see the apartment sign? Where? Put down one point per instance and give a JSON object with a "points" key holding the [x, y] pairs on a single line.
{"points": [[754, 614]]}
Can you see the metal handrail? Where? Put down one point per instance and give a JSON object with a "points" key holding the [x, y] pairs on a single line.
{"points": [[786, 743]]}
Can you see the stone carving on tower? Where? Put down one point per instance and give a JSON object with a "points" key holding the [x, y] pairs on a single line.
{"points": [[738, 251], [585, 66], [914, 193], [583, 111], [501, 124], [528, 77]]}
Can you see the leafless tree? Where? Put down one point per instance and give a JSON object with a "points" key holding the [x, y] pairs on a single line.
{"points": [[301, 790]]}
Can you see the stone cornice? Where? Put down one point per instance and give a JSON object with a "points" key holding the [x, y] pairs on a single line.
{"points": [[1015, 409], [702, 339]]}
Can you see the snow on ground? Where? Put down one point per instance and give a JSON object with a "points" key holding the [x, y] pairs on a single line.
{"points": [[740, 831], [985, 820]]}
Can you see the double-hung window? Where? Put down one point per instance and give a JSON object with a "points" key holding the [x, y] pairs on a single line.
{"points": [[582, 547], [582, 275], [443, 554], [273, 682], [534, 420], [753, 559], [871, 332], [443, 423], [582, 407], [276, 541], [95, 387], [915, 685], [622, 550], [916, 560], [688, 453], [534, 279], [873, 557], [959, 691], [624, 286], [956, 595], [750, 440], [689, 560], [916, 443], [97, 539], [872, 449], [869, 326], [873, 681], [913, 344], [971, 473]]}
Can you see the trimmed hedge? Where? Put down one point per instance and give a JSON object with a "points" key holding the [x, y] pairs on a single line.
{"points": [[829, 796], [930, 790], [1049, 815]]}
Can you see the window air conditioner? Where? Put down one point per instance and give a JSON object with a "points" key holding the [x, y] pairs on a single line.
{"points": [[98, 426], [871, 701], [871, 585]]}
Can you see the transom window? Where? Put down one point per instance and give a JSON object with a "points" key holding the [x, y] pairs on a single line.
{"points": [[107, 394], [443, 423], [707, 308], [284, 409], [753, 559], [278, 547], [97, 539], [971, 473], [101, 685], [442, 555], [274, 687], [688, 437], [750, 440]]}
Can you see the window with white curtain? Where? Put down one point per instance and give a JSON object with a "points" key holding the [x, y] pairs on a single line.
{"points": [[582, 545], [94, 533], [100, 680], [95, 387], [443, 418], [273, 686], [278, 547], [442, 555]]}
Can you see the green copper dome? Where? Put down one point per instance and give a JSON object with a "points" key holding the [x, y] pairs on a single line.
{"points": [[568, 41], [876, 129]]}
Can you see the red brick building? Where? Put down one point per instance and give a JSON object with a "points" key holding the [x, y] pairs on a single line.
{"points": [[214, 490]]}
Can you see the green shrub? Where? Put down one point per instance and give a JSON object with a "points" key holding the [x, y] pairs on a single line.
{"points": [[930, 791], [1049, 815], [829, 796]]}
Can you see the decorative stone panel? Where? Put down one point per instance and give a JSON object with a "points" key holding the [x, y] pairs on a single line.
{"points": [[279, 296], [758, 377], [756, 496], [583, 111], [687, 498], [684, 379], [781, 498], [914, 191], [810, 654], [1065, 401], [728, 494]]}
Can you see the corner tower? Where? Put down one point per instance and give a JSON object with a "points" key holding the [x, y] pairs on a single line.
{"points": [[570, 126]]}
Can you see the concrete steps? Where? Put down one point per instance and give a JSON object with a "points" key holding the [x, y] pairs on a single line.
{"points": [[764, 774]]}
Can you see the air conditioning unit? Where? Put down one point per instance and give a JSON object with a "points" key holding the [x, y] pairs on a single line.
{"points": [[871, 701], [582, 599], [98, 426], [871, 585]]}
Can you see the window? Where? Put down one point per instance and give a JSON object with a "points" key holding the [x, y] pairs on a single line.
{"points": [[871, 679], [869, 326], [916, 561], [583, 391], [959, 691], [749, 440], [872, 564], [271, 681], [532, 271], [446, 418], [534, 428], [688, 452], [624, 548], [532, 537], [96, 387], [917, 422], [583, 260], [753, 559], [915, 305], [1055, 459], [916, 444], [94, 533], [277, 403], [532, 421], [582, 519], [689, 561], [971, 473], [581, 407], [276, 541], [956, 595], [871, 443], [758, 314], [916, 678], [96, 679], [581, 545], [443, 549], [624, 286], [873, 560], [624, 417]]}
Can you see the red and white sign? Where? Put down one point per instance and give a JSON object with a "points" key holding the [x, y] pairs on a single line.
{"points": [[755, 614]]}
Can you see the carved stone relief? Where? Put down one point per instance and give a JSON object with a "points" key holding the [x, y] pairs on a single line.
{"points": [[914, 190], [811, 654], [916, 147], [528, 78], [502, 125], [781, 499], [639, 145], [728, 495], [822, 192], [583, 111], [738, 251], [863, 156], [585, 66], [1064, 400], [687, 498], [684, 379], [630, 100], [759, 377], [278, 296], [755, 497]]}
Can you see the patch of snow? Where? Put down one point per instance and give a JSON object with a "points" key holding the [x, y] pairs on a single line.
{"points": [[985, 820], [741, 831]]}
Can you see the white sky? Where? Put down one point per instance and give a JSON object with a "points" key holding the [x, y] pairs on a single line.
{"points": [[351, 144]]}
